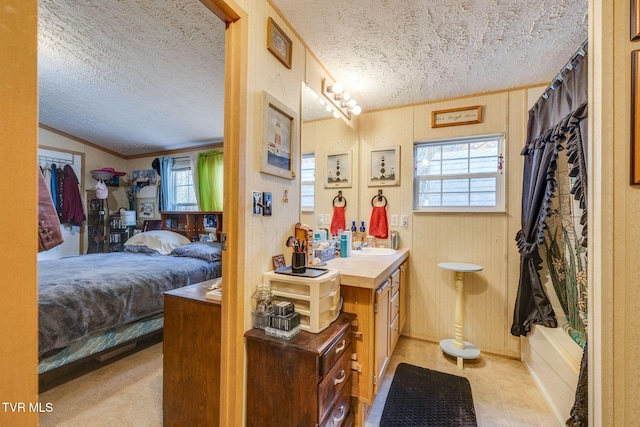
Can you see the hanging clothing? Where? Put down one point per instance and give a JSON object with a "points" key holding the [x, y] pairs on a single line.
{"points": [[338, 220], [378, 226], [49, 231], [54, 186], [72, 210]]}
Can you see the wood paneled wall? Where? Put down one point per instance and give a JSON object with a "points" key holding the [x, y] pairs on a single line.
{"points": [[487, 239]]}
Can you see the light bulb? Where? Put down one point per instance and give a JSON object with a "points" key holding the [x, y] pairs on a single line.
{"points": [[346, 95], [356, 110], [351, 103], [337, 88]]}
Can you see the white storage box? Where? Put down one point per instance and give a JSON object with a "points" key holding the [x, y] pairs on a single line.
{"points": [[316, 299]]}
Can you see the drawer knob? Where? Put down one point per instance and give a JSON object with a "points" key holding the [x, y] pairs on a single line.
{"points": [[343, 376], [339, 419], [341, 347]]}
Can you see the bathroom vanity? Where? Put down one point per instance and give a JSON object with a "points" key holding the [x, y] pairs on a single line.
{"points": [[374, 287]]}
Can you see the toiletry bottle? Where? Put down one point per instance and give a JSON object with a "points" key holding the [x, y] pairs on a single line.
{"points": [[362, 227], [353, 226], [343, 246]]}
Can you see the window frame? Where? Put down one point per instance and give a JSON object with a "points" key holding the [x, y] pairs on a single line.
{"points": [[500, 175], [183, 164], [312, 184]]}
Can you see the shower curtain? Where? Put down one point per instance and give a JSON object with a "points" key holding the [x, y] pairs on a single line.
{"points": [[556, 122]]}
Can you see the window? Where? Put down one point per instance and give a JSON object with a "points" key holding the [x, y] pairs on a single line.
{"points": [[459, 174], [308, 182], [183, 188]]}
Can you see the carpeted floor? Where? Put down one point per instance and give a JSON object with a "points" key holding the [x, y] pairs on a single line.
{"points": [[125, 393], [423, 397]]}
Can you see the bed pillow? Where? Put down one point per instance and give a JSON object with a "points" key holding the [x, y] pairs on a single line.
{"points": [[208, 251], [163, 241]]}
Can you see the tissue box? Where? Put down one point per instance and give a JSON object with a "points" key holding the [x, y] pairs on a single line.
{"points": [[324, 254]]}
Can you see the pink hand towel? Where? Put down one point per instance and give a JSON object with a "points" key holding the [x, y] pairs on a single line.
{"points": [[337, 221], [378, 224]]}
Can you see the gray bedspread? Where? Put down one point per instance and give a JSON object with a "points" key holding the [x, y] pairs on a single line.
{"points": [[89, 293]]}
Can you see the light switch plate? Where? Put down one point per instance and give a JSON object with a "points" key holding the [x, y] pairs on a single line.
{"points": [[267, 204], [256, 199], [327, 219], [320, 220], [404, 220], [394, 220]]}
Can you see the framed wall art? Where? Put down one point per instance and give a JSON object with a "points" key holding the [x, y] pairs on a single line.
{"points": [[456, 116], [279, 139], [635, 117], [384, 166], [338, 169], [278, 43], [146, 208]]}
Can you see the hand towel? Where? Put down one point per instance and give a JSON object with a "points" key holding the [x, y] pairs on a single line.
{"points": [[378, 224], [337, 221]]}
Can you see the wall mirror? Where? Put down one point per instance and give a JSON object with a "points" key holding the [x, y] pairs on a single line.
{"points": [[322, 133]]}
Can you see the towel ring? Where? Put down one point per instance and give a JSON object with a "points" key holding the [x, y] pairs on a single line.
{"points": [[340, 198], [380, 197]]}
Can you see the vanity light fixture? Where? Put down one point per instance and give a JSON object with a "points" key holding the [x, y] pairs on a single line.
{"points": [[341, 99]]}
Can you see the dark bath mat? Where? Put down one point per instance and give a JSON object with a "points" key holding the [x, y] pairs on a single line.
{"points": [[422, 397]]}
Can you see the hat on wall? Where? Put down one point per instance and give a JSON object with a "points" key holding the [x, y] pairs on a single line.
{"points": [[101, 190], [156, 165], [109, 170]]}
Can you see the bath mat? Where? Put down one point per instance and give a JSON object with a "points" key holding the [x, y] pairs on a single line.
{"points": [[422, 397]]}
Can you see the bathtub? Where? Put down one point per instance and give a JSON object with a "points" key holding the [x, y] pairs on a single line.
{"points": [[553, 360]]}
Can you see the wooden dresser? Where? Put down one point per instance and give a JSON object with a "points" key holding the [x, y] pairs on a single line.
{"points": [[191, 377], [305, 381]]}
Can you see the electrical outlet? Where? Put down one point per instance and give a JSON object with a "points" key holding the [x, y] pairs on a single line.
{"points": [[327, 219], [320, 220], [267, 204], [256, 199], [394, 220], [404, 220]]}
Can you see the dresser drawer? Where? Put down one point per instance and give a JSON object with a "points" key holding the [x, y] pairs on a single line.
{"points": [[334, 383], [395, 282], [334, 352], [340, 414]]}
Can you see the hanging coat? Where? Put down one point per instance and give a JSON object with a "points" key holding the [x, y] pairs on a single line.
{"points": [[72, 212]]}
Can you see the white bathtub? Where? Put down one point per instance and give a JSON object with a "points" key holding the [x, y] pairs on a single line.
{"points": [[553, 359]]}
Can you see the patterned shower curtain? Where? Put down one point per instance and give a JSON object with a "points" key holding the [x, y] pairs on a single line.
{"points": [[566, 254]]}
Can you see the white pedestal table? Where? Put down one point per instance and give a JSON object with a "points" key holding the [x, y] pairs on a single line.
{"points": [[456, 346]]}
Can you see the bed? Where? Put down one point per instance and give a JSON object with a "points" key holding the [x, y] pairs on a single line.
{"points": [[89, 304]]}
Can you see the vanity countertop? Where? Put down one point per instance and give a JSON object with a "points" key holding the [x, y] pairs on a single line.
{"points": [[367, 271]]}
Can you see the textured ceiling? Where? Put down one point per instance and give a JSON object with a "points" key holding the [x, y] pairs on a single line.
{"points": [[134, 76], [396, 52], [141, 76]]}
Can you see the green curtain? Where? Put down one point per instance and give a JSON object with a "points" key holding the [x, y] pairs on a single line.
{"points": [[210, 180]]}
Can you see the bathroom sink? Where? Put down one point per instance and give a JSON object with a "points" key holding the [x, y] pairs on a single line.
{"points": [[374, 251]]}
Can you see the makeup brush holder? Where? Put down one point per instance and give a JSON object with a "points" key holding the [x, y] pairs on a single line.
{"points": [[299, 262]]}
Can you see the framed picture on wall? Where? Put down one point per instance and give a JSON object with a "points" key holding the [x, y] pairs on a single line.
{"points": [[279, 139], [384, 166], [338, 169], [278, 43], [456, 116], [146, 208]]}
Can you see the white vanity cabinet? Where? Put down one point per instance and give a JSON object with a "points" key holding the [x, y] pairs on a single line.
{"points": [[374, 288]]}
